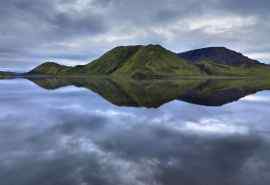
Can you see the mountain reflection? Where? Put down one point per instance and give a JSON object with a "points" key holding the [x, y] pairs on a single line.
{"points": [[73, 136], [154, 93]]}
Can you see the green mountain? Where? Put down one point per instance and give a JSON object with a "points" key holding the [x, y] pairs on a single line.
{"points": [[220, 61], [212, 68], [49, 68], [154, 61], [138, 62], [134, 61]]}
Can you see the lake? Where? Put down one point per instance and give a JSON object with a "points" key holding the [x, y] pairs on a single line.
{"points": [[99, 132]]}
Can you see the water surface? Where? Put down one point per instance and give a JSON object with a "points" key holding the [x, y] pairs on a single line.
{"points": [[66, 132]]}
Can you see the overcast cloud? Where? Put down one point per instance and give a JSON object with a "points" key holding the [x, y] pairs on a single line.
{"points": [[77, 31]]}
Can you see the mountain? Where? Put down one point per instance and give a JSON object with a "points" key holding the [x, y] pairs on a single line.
{"points": [[154, 61], [110, 62], [138, 62], [134, 61], [49, 68], [220, 55], [220, 61]]}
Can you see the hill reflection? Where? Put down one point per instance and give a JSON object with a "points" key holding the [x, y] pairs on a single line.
{"points": [[154, 93]]}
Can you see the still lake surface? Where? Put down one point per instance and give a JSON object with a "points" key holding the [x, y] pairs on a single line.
{"points": [[71, 135]]}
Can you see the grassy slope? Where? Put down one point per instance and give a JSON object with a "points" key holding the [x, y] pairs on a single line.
{"points": [[135, 61], [108, 63], [156, 60], [49, 68], [152, 61], [215, 69]]}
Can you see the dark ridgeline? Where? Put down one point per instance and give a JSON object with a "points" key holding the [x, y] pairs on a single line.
{"points": [[154, 93], [220, 55]]}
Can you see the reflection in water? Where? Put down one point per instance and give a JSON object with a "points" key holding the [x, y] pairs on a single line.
{"points": [[154, 93], [72, 136]]}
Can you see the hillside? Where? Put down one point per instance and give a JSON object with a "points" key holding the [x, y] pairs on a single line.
{"points": [[215, 69], [220, 55], [220, 61], [49, 68], [110, 61], [154, 61], [138, 62]]}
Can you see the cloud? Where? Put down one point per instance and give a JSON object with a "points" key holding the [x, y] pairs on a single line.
{"points": [[81, 30], [256, 98], [62, 139]]}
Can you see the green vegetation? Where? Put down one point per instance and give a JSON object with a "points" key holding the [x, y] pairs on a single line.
{"points": [[138, 62], [215, 69], [110, 61], [152, 61], [156, 62], [50, 68], [151, 75]]}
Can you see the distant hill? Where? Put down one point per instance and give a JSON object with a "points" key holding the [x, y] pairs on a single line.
{"points": [[220, 61], [4, 75], [154, 61], [220, 55], [49, 68]]}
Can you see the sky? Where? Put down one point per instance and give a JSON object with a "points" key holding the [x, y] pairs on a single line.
{"points": [[75, 32]]}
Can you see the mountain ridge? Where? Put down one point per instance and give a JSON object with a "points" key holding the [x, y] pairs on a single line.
{"points": [[139, 61], [154, 61], [220, 55]]}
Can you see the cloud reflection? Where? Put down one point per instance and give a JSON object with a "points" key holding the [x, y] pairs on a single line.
{"points": [[68, 137]]}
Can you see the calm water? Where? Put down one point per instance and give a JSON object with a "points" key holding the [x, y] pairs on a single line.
{"points": [[73, 136]]}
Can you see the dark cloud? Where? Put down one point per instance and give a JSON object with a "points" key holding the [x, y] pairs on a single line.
{"points": [[258, 8], [39, 30]]}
